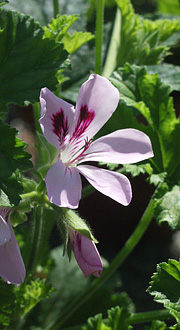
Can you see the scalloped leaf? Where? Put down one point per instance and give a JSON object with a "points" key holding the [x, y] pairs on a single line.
{"points": [[27, 61], [165, 286]]}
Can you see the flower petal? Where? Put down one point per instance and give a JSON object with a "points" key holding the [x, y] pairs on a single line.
{"points": [[63, 185], [97, 100], [12, 268], [56, 117], [5, 232], [112, 184], [124, 146], [87, 255]]}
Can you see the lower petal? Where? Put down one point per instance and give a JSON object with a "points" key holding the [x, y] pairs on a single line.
{"points": [[112, 184], [63, 185], [12, 268]]}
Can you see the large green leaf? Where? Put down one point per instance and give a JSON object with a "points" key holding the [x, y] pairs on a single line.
{"points": [[146, 105], [27, 61], [165, 286], [168, 73], [142, 41], [169, 7], [12, 157]]}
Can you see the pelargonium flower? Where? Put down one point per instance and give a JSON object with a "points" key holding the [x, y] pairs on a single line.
{"points": [[12, 268], [86, 254], [71, 129]]}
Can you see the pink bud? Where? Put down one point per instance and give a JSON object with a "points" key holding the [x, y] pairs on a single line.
{"points": [[86, 254]]}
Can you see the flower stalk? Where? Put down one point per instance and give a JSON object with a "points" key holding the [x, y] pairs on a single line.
{"points": [[99, 35], [56, 7], [107, 273], [111, 58]]}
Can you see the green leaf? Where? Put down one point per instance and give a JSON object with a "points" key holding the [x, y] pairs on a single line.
{"points": [[165, 287], [156, 325], [96, 323], [141, 40], [57, 30], [117, 319], [75, 41], [27, 61], [28, 295], [3, 2], [172, 7], [168, 73], [167, 208], [58, 27], [136, 170], [13, 157], [147, 106]]}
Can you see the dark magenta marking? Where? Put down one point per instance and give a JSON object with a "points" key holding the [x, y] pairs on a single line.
{"points": [[60, 125], [85, 118]]}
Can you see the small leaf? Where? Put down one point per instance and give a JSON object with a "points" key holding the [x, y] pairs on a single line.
{"points": [[156, 325], [118, 318], [165, 287], [57, 30], [28, 295], [58, 27], [75, 41], [136, 170], [167, 208], [95, 323]]}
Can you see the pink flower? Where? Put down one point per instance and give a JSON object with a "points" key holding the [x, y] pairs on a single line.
{"points": [[86, 254], [71, 131], [12, 268]]}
